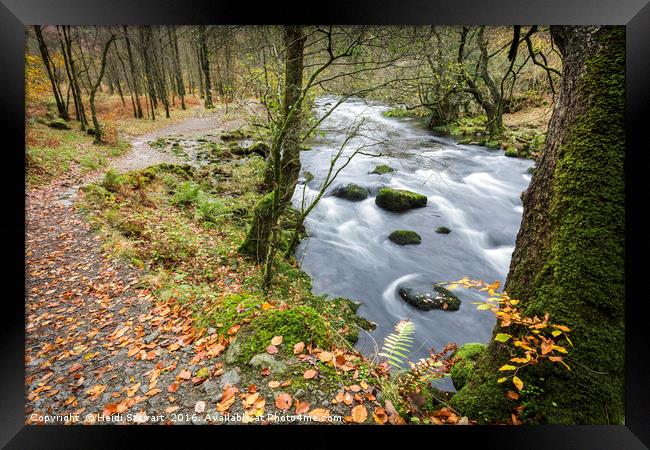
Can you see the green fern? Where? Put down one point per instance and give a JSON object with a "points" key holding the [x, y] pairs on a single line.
{"points": [[396, 345]]}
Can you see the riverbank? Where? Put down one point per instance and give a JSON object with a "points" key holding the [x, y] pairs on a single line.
{"points": [[523, 135]]}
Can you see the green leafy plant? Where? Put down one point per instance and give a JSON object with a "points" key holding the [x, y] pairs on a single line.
{"points": [[397, 344]]}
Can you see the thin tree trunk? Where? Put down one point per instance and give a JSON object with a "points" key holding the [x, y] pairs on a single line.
{"points": [[205, 66], [45, 55], [93, 91], [134, 77]]}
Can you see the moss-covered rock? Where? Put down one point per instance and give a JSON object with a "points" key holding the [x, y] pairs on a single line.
{"points": [[399, 200], [352, 192], [440, 298], [511, 153], [300, 324], [235, 135], [58, 124], [405, 237], [443, 230], [382, 169], [466, 357]]}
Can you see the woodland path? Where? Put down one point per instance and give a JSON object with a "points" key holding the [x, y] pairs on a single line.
{"points": [[96, 340]]}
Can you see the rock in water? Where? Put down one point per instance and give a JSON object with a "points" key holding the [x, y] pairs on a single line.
{"points": [[440, 298], [382, 169], [405, 237], [352, 192], [443, 230], [399, 200]]}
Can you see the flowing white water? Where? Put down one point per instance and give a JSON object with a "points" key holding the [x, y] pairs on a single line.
{"points": [[472, 190]]}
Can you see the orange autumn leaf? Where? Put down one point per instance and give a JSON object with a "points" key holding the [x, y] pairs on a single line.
{"points": [[227, 398], [518, 383], [96, 390], [301, 407], [233, 329], [274, 384], [298, 348], [283, 401], [380, 416], [359, 414], [184, 375], [319, 414], [277, 340], [173, 387], [309, 374]]}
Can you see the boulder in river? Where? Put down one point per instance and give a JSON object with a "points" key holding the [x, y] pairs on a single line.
{"points": [[399, 200], [352, 192], [443, 230], [382, 169], [440, 298], [405, 237]]}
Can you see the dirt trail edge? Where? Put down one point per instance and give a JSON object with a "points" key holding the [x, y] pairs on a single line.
{"points": [[96, 341]]}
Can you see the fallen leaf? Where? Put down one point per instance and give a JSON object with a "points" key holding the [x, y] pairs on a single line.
{"points": [[301, 407], [199, 407], [298, 348], [271, 349], [274, 384], [96, 390], [319, 414], [380, 416], [309, 374], [277, 340], [325, 356], [283, 401], [173, 387], [359, 414]]}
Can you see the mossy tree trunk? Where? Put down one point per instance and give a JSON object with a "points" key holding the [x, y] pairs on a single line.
{"points": [[569, 255], [284, 159]]}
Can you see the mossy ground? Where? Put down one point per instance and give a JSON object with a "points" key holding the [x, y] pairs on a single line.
{"points": [[525, 140]]}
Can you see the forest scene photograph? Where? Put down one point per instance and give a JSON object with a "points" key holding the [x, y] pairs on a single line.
{"points": [[324, 224]]}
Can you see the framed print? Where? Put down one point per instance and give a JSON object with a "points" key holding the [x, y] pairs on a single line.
{"points": [[362, 218]]}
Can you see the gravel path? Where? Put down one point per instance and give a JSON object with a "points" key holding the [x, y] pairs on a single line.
{"points": [[95, 341]]}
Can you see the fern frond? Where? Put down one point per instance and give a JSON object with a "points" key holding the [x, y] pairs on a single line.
{"points": [[397, 345]]}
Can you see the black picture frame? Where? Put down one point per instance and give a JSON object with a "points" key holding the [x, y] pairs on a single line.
{"points": [[16, 14]]}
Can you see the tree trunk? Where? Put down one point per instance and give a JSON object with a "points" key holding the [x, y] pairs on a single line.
{"points": [[177, 67], [95, 87], [569, 256], [66, 47], [205, 66], [284, 159], [134, 76], [58, 97]]}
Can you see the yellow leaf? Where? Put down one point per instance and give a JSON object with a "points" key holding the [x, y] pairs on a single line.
{"points": [[501, 380], [507, 367], [518, 383]]}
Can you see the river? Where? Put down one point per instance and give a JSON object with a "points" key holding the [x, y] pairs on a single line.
{"points": [[472, 190]]}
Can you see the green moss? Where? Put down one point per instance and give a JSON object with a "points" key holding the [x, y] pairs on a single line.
{"points": [[230, 310], [254, 245], [443, 230], [511, 153], [382, 169], [405, 237], [466, 356], [399, 200], [352, 192], [58, 124], [300, 324]]}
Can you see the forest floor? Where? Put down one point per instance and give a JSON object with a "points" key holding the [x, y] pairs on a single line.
{"points": [[102, 341]]}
